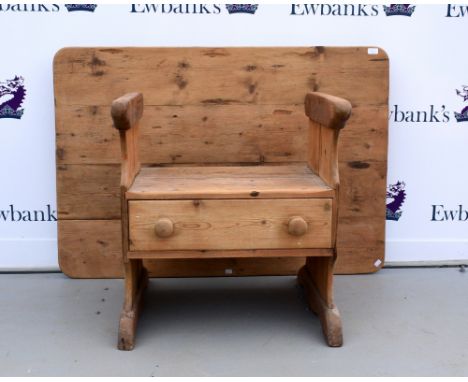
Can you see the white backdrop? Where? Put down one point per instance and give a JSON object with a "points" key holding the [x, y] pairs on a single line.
{"points": [[428, 63]]}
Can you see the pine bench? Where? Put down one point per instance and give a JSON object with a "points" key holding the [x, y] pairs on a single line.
{"points": [[201, 211], [233, 177]]}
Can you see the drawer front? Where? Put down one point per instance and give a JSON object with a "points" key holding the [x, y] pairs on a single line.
{"points": [[157, 225]]}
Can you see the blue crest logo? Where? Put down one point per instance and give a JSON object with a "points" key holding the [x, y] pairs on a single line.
{"points": [[81, 7], [396, 196], [399, 10], [12, 94], [463, 115], [242, 8]]}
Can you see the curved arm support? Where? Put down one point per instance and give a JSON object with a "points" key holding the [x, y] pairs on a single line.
{"points": [[327, 116], [126, 113]]}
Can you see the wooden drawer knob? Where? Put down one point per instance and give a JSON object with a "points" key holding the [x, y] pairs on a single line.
{"points": [[297, 226], [164, 227]]}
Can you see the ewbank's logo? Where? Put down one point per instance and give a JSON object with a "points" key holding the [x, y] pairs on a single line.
{"points": [[11, 214], [431, 113], [399, 10], [36, 8], [81, 7], [12, 93], [242, 8], [396, 196], [463, 115], [177, 9], [361, 10], [457, 10], [440, 213]]}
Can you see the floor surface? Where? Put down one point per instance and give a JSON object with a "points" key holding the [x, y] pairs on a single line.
{"points": [[398, 322]]}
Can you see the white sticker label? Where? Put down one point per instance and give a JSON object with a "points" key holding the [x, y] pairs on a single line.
{"points": [[228, 271], [373, 51], [377, 263]]}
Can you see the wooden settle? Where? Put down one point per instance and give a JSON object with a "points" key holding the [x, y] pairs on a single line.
{"points": [[211, 161], [153, 224]]}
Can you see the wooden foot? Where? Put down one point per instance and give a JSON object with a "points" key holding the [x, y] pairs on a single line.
{"points": [[136, 280], [316, 277]]}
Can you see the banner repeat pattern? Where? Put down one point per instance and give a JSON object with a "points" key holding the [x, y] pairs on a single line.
{"points": [[427, 198]]}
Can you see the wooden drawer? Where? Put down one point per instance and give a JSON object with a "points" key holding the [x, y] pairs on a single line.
{"points": [[156, 225]]}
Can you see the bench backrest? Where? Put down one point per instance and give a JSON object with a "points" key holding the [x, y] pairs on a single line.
{"points": [[207, 104]]}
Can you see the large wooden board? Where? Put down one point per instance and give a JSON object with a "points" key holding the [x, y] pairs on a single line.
{"points": [[214, 105]]}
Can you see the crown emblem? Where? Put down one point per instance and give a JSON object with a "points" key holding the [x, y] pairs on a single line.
{"points": [[8, 112], [12, 94], [399, 10], [395, 216], [397, 195], [463, 115], [81, 7], [242, 8]]}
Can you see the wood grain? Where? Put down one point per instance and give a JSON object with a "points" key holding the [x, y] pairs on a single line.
{"points": [[251, 90], [234, 254], [88, 192], [126, 113], [317, 280], [212, 134], [327, 110], [92, 249], [178, 76], [229, 224], [221, 182], [127, 110], [92, 191]]}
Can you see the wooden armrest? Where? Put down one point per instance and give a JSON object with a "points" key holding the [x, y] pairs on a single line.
{"points": [[127, 110], [327, 116], [327, 110]]}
